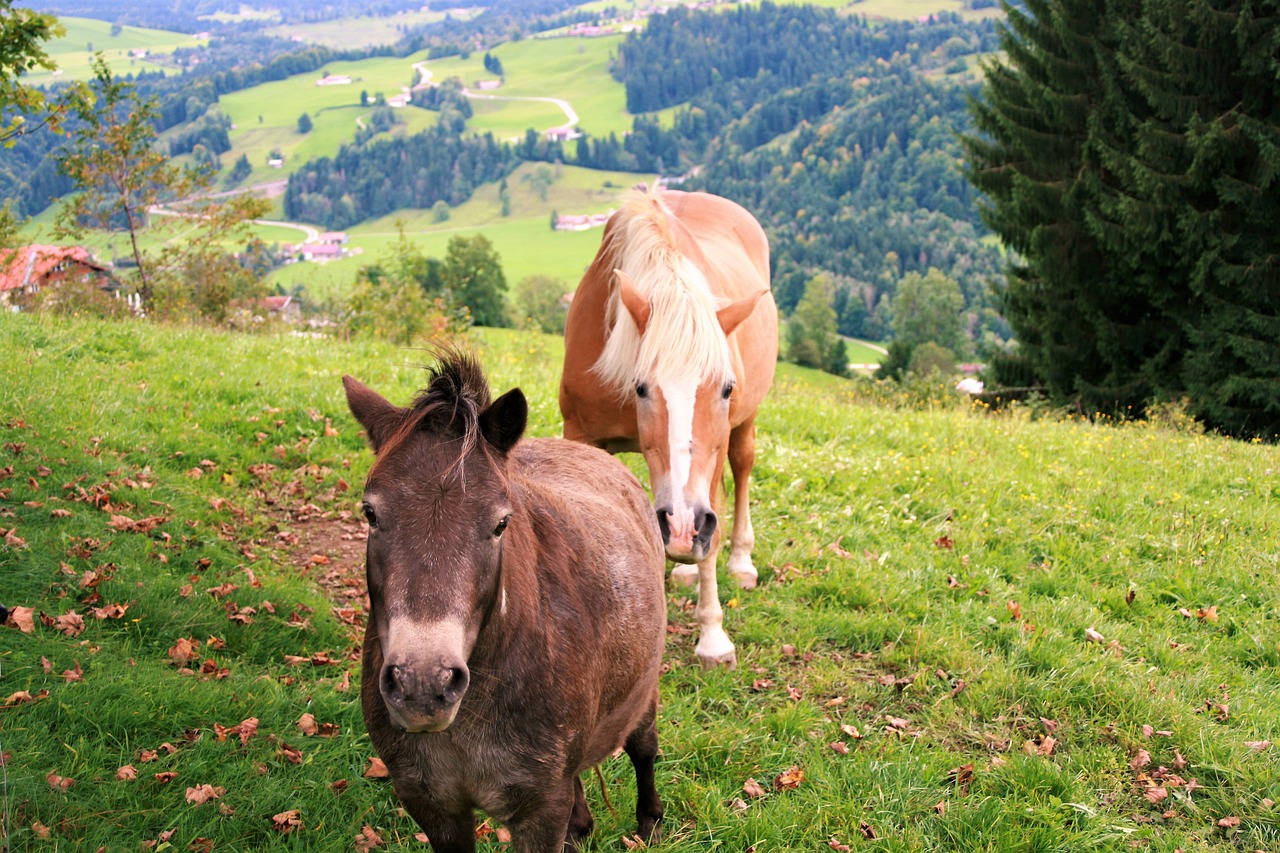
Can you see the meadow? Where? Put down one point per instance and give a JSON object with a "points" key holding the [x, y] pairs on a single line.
{"points": [[975, 630], [74, 51]]}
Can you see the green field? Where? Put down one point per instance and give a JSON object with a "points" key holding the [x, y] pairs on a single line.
{"points": [[974, 631], [363, 30], [74, 51], [524, 240]]}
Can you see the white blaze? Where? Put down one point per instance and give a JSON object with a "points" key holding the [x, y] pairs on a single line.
{"points": [[681, 395]]}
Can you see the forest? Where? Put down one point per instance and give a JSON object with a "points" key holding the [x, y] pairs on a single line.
{"points": [[842, 138]]}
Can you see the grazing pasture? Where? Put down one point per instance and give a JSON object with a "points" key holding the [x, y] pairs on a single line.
{"points": [[74, 51], [973, 631]]}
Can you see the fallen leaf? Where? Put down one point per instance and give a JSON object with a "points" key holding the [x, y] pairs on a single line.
{"points": [[60, 783], [752, 789], [834, 844], [1093, 636], [840, 747], [1258, 744], [789, 779], [1229, 822], [1140, 760], [377, 769], [184, 651], [287, 822], [73, 674], [961, 776], [166, 777], [23, 696], [368, 838], [23, 618], [868, 831], [307, 724], [204, 793], [127, 773], [944, 542], [851, 731], [1155, 794], [940, 807]]}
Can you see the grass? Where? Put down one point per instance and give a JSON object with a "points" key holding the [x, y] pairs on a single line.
{"points": [[974, 631], [74, 56], [363, 30]]}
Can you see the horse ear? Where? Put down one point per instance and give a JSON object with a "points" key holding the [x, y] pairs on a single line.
{"points": [[637, 305], [731, 315], [378, 417], [504, 421]]}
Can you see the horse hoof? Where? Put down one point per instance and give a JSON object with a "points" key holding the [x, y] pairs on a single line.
{"points": [[728, 660], [684, 576], [746, 580]]}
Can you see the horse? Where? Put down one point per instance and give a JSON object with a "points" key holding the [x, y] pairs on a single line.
{"points": [[517, 614], [671, 342]]}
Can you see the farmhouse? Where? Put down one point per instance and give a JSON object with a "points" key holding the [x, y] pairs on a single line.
{"points": [[582, 221], [334, 80], [397, 101], [335, 237], [321, 251], [563, 133], [30, 269]]}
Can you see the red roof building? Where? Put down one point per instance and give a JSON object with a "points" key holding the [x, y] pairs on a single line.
{"points": [[30, 269]]}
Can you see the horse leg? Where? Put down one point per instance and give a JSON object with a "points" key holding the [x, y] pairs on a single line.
{"points": [[546, 821], [642, 749], [580, 821], [742, 456], [448, 832], [714, 646]]}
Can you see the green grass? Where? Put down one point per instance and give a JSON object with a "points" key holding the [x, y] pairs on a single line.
{"points": [[931, 575], [73, 55], [524, 240], [363, 30]]}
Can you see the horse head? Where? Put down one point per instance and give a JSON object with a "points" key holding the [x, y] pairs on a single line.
{"points": [[682, 382], [437, 501]]}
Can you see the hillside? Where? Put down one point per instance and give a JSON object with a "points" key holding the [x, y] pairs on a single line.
{"points": [[974, 630]]}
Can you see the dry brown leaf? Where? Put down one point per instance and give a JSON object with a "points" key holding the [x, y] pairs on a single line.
{"points": [[166, 777], [752, 789], [368, 838], [307, 724], [851, 731], [1140, 760], [127, 773], [840, 747], [789, 779], [1093, 636], [59, 783], [204, 793], [1229, 822], [376, 769], [184, 651], [834, 844], [288, 821], [23, 618], [1155, 793], [1258, 745], [70, 623]]}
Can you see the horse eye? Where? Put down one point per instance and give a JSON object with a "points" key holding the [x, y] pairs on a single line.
{"points": [[370, 516], [727, 392], [642, 390], [502, 525]]}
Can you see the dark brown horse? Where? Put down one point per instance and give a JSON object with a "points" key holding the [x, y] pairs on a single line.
{"points": [[669, 349], [517, 614]]}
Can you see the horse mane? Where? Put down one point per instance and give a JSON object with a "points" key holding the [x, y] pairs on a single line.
{"points": [[683, 338], [456, 394]]}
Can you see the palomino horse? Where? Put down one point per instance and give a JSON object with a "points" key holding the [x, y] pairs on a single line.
{"points": [[670, 345], [517, 615]]}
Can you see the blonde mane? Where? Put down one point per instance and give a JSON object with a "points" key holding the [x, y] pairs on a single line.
{"points": [[683, 338]]}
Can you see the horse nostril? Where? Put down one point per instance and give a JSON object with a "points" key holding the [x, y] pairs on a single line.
{"points": [[453, 683], [706, 526], [389, 682], [664, 525]]}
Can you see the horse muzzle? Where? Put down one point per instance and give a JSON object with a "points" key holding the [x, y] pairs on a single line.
{"points": [[687, 534], [423, 697]]}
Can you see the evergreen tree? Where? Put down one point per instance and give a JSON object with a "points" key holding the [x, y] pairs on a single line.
{"points": [[304, 123], [1132, 157]]}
